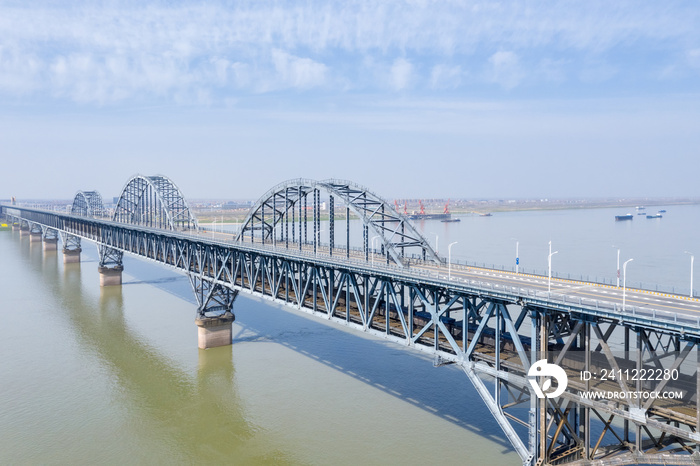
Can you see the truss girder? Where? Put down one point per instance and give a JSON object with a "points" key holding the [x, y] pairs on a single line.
{"points": [[494, 334], [88, 204], [156, 202], [271, 214]]}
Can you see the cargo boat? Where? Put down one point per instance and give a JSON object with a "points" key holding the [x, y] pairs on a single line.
{"points": [[445, 216], [624, 217], [420, 216]]}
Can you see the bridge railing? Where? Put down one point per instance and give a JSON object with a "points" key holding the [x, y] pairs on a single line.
{"points": [[437, 276], [587, 278], [440, 276]]}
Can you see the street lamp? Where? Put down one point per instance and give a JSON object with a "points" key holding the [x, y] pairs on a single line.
{"points": [[436, 242], [213, 227], [449, 260], [375, 237], [549, 262], [618, 266], [692, 258], [517, 255], [624, 282]]}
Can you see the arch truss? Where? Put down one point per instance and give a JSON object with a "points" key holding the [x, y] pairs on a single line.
{"points": [[291, 212], [88, 204], [156, 202]]}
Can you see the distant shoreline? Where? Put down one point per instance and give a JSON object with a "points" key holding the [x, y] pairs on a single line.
{"points": [[206, 214], [238, 216], [561, 206]]}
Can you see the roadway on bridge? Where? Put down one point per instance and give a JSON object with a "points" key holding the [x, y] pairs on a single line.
{"points": [[643, 300], [602, 293]]}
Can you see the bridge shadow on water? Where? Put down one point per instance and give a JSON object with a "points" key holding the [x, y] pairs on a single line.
{"points": [[403, 373], [400, 372]]}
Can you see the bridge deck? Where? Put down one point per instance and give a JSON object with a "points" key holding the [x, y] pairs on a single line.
{"points": [[425, 305]]}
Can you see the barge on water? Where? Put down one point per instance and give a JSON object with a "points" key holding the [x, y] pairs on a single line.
{"points": [[624, 217]]}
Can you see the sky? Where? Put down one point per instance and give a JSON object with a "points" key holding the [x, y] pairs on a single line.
{"points": [[413, 99]]}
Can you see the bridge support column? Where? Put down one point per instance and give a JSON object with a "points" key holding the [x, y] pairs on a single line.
{"points": [[15, 227], [110, 276], [50, 244], [35, 237], [214, 331], [71, 256], [23, 231]]}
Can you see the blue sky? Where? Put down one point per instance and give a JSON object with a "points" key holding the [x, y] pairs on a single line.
{"points": [[410, 98]]}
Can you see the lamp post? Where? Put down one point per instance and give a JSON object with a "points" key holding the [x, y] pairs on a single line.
{"points": [[618, 266], [549, 262], [517, 256], [692, 259], [213, 227], [436, 242], [449, 260], [624, 282], [373, 238]]}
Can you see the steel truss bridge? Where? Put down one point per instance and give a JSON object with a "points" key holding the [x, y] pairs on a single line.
{"points": [[494, 325]]}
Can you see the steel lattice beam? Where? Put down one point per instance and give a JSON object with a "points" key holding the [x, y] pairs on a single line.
{"points": [[493, 333], [272, 211]]}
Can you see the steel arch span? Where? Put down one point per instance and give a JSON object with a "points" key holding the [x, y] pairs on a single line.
{"points": [[154, 201], [88, 204], [291, 202]]}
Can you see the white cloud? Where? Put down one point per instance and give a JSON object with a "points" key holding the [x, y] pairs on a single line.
{"points": [[401, 74], [693, 58], [505, 69], [445, 77], [105, 52], [20, 72], [297, 72]]}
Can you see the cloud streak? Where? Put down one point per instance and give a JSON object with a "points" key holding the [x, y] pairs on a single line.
{"points": [[111, 52]]}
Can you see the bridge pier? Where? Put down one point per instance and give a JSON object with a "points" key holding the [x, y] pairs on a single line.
{"points": [[35, 237], [23, 231], [50, 244], [71, 256], [214, 331], [15, 227], [110, 276]]}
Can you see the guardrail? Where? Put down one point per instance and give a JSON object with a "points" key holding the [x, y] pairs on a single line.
{"points": [[631, 313], [438, 277]]}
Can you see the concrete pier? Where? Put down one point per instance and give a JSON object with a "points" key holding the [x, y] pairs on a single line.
{"points": [[71, 256], [15, 227], [214, 331], [23, 231], [50, 244], [110, 276], [35, 237]]}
